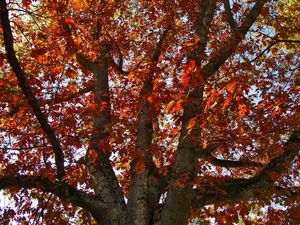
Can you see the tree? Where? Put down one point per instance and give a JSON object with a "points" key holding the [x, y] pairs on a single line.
{"points": [[143, 112]]}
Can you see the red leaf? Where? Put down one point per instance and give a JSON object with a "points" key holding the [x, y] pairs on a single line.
{"points": [[26, 4], [186, 81], [150, 99]]}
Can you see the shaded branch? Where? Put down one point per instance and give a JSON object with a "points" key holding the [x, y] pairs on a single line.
{"points": [[32, 100], [62, 190], [145, 185], [230, 163], [157, 52], [276, 41], [103, 178], [206, 13], [231, 44], [121, 59], [247, 189], [229, 15], [179, 196], [207, 154], [265, 50]]}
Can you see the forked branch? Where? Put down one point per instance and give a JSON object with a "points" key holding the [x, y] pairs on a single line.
{"points": [[231, 44], [247, 189]]}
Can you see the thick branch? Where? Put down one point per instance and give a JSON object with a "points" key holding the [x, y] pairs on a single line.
{"points": [[145, 186], [230, 46], [157, 51], [207, 154], [32, 100], [104, 180], [62, 190], [247, 189], [230, 163], [229, 15], [206, 13], [178, 202]]}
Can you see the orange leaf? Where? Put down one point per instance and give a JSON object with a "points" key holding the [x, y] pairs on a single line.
{"points": [[78, 40], [93, 153], [191, 123], [197, 39], [79, 4], [15, 99], [150, 99], [179, 106], [242, 110], [82, 29], [69, 21], [192, 64], [190, 44], [230, 87], [186, 81], [40, 58], [131, 76], [226, 102], [71, 73]]}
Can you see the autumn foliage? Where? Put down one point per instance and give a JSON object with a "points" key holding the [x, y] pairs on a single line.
{"points": [[149, 112]]}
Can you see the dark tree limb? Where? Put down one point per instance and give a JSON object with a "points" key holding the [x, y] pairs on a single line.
{"points": [[145, 188], [23, 83], [264, 51], [61, 98], [62, 190], [104, 180], [229, 163], [178, 201], [206, 13], [276, 41], [229, 15], [231, 44], [252, 188], [207, 154]]}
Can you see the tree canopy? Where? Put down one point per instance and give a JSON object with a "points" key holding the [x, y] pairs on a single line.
{"points": [[149, 112]]}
